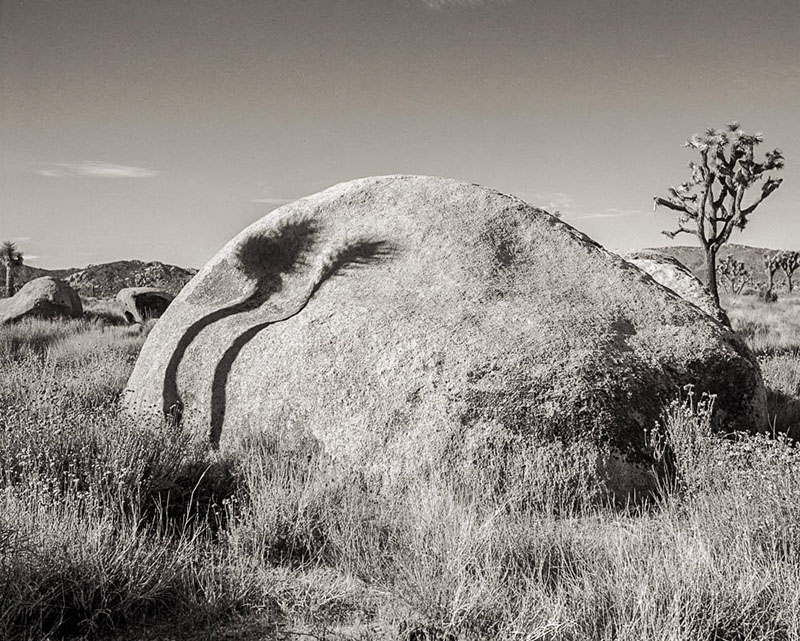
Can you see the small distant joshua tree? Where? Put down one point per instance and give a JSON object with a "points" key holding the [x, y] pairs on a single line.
{"points": [[711, 202], [11, 258], [733, 275], [771, 265], [789, 261]]}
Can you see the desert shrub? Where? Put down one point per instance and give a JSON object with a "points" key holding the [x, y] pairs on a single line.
{"points": [[71, 567], [769, 330], [781, 373], [549, 476], [104, 311], [69, 338], [773, 333], [767, 295], [683, 441], [451, 560], [752, 330], [104, 522], [32, 337]]}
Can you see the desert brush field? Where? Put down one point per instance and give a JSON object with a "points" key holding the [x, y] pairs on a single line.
{"points": [[111, 528]]}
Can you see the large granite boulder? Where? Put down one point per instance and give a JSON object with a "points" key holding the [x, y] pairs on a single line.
{"points": [[408, 322], [44, 297], [673, 274], [140, 303]]}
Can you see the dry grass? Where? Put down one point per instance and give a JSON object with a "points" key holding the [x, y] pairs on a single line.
{"points": [[773, 332], [109, 526], [104, 310]]}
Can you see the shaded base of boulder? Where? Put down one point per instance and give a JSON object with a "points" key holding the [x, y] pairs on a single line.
{"points": [[142, 303]]}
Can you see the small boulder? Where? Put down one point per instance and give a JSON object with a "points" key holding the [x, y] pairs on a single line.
{"points": [[44, 297], [141, 303], [674, 275]]}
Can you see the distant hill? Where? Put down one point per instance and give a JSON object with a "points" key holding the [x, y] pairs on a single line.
{"points": [[105, 280], [25, 273], [752, 257]]}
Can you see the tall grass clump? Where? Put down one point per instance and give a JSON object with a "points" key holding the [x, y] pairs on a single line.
{"points": [[103, 520], [433, 557], [773, 333], [104, 311]]}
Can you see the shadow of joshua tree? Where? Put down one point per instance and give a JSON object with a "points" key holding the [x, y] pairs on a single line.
{"points": [[265, 260], [352, 254]]}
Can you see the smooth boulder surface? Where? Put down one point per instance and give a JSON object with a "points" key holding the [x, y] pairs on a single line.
{"points": [[44, 297], [141, 303], [411, 322], [673, 274]]}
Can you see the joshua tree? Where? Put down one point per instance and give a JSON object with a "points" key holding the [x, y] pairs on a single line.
{"points": [[11, 258], [711, 201], [733, 274], [789, 261], [771, 265]]}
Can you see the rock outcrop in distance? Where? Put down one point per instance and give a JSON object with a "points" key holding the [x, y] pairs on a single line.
{"points": [[41, 298], [142, 303], [106, 280], [411, 323]]}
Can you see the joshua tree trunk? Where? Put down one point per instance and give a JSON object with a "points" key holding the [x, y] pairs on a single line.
{"points": [[711, 273], [9, 281], [769, 281], [789, 282]]}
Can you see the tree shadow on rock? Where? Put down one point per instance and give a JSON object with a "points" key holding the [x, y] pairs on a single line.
{"points": [[264, 260], [353, 254]]}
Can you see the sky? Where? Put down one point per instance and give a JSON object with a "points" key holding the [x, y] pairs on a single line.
{"points": [[157, 130]]}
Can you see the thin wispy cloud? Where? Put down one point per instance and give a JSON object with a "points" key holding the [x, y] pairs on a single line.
{"points": [[564, 205], [553, 200], [273, 201], [29, 258], [21, 239], [444, 4], [93, 169], [270, 194], [613, 213]]}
